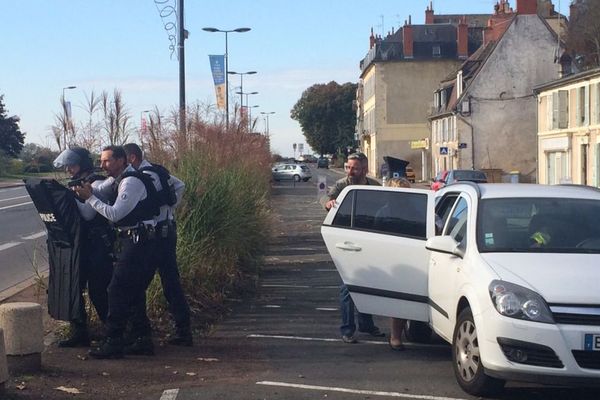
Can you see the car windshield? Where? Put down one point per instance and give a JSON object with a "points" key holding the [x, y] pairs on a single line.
{"points": [[534, 225], [469, 176]]}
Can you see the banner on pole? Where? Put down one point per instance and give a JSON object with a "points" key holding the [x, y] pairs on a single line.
{"points": [[217, 66]]}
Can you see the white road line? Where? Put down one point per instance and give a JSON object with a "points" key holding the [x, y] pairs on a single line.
{"points": [[285, 286], [356, 391], [34, 236], [326, 309], [169, 394], [15, 205], [8, 245], [14, 198], [308, 339], [326, 270], [271, 306]]}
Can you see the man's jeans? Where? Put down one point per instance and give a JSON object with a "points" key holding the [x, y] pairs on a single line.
{"points": [[365, 321]]}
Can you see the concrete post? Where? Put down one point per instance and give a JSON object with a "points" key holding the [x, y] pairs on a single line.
{"points": [[23, 336], [3, 365]]}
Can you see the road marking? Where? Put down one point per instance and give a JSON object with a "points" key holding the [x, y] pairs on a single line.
{"points": [[326, 270], [169, 394], [271, 306], [14, 198], [285, 286], [309, 339], [356, 391], [15, 205], [8, 245], [34, 236], [326, 309]]}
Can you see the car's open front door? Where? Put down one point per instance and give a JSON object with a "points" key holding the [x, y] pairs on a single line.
{"points": [[376, 238]]}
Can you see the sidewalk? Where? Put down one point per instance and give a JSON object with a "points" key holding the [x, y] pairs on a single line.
{"points": [[6, 183]]}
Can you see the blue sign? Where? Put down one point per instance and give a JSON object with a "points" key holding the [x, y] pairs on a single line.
{"points": [[462, 145], [217, 65], [444, 151]]}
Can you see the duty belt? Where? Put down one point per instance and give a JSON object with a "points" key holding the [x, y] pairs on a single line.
{"points": [[136, 233]]}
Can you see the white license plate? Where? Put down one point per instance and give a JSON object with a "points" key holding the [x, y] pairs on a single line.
{"points": [[591, 342]]}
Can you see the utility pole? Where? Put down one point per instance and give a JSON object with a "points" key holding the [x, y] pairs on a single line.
{"points": [[181, 47]]}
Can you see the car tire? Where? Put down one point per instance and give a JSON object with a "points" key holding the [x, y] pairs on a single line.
{"points": [[466, 359], [418, 332], [297, 178], [305, 179]]}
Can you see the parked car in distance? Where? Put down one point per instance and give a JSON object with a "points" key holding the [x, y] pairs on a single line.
{"points": [[510, 281], [410, 174], [458, 175], [296, 172], [323, 162]]}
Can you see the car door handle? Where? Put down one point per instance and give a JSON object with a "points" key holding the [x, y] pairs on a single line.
{"points": [[348, 246]]}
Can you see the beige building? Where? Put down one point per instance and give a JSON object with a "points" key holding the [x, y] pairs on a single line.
{"points": [[484, 114], [398, 75], [569, 130]]}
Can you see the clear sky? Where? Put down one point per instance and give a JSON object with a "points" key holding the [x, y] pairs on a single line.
{"points": [[106, 44]]}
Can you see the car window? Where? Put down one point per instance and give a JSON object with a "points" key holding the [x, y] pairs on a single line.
{"points": [[397, 213], [457, 223], [442, 211], [343, 217], [469, 175]]}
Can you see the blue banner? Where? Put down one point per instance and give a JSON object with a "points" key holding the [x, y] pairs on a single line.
{"points": [[217, 66]]}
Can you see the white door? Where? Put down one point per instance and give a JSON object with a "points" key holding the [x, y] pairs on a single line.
{"points": [[376, 238]]}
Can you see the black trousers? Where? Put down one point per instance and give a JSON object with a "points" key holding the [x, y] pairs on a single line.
{"points": [[165, 260], [95, 273], [127, 289]]}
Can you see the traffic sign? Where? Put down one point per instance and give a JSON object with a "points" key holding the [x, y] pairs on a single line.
{"points": [[444, 151]]}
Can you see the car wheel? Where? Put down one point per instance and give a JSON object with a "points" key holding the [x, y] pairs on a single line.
{"points": [[305, 179], [297, 178], [466, 359], [418, 332]]}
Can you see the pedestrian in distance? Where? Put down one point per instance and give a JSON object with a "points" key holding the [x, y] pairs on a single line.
{"points": [[131, 209], [95, 260], [357, 168], [170, 191]]}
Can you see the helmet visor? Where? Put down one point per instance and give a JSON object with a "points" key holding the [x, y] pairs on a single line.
{"points": [[66, 158]]}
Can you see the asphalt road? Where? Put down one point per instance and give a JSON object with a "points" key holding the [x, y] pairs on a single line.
{"points": [[286, 340], [22, 238]]}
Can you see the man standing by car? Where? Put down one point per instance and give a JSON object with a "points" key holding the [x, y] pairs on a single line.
{"points": [[356, 174], [170, 190]]}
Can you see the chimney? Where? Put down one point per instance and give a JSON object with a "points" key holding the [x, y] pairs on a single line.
{"points": [[429, 14], [527, 7], [407, 39], [462, 38], [371, 40]]}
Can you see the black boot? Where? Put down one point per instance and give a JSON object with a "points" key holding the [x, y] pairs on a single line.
{"points": [[182, 337], [141, 346], [78, 336], [110, 348]]}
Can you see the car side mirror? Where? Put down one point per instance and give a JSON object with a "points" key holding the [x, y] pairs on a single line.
{"points": [[446, 245]]}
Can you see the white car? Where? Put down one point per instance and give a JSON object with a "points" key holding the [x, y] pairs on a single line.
{"points": [[511, 278]]}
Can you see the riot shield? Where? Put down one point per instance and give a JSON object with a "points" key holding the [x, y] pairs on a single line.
{"points": [[58, 210]]}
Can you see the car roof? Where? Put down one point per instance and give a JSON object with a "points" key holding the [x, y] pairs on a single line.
{"points": [[504, 190]]}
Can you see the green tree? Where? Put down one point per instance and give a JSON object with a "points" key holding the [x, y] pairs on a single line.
{"points": [[11, 137], [583, 35], [326, 116]]}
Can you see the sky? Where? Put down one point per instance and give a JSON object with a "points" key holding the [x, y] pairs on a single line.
{"points": [[99, 45]]}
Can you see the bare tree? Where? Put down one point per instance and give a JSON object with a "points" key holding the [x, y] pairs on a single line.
{"points": [[89, 133], [116, 118], [63, 129], [583, 37]]}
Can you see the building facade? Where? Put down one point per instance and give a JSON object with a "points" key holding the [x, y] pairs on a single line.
{"points": [[484, 114], [398, 75], [569, 130]]}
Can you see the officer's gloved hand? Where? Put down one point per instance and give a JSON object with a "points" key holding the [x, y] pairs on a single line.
{"points": [[85, 191]]}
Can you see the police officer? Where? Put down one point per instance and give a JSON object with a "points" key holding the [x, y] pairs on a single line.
{"points": [[131, 210], [95, 263], [170, 190]]}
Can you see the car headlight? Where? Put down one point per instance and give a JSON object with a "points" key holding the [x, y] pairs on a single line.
{"points": [[515, 301]]}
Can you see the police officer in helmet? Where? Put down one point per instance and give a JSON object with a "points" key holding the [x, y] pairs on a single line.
{"points": [[95, 264], [131, 209]]}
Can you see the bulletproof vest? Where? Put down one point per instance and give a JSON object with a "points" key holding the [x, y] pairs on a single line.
{"points": [[146, 209], [166, 195], [58, 210]]}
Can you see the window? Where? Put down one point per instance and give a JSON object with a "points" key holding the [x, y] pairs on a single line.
{"points": [[583, 106], [397, 213], [442, 211], [457, 223], [343, 218], [437, 51], [559, 104], [557, 166], [598, 165]]}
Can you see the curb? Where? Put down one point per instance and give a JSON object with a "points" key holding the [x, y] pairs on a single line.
{"points": [[6, 294], [11, 185]]}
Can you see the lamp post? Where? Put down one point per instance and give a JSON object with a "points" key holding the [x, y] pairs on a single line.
{"points": [[67, 106], [238, 30], [250, 114], [241, 74], [242, 107], [266, 114]]}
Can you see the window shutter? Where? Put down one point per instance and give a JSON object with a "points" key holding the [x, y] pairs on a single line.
{"points": [[586, 103], [554, 108], [563, 109]]}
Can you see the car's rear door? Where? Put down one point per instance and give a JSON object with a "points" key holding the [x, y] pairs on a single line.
{"points": [[376, 238]]}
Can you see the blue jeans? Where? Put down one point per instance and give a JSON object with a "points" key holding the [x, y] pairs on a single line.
{"points": [[348, 327]]}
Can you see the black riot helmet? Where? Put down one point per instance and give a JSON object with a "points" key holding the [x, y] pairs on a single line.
{"points": [[75, 156]]}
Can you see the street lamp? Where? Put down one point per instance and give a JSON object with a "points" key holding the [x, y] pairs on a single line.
{"points": [[67, 106], [238, 30], [266, 114], [67, 88], [241, 74]]}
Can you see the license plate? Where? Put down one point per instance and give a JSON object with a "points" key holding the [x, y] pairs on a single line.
{"points": [[591, 342]]}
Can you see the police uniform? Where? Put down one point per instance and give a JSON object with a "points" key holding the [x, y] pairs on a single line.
{"points": [[131, 209], [165, 259]]}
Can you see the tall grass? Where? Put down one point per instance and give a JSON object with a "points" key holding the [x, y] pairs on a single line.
{"points": [[223, 219]]}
